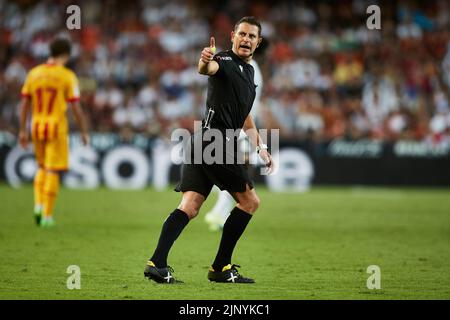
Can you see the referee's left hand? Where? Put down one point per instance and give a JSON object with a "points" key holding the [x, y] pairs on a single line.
{"points": [[267, 158]]}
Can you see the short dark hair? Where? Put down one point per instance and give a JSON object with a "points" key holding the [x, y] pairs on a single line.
{"points": [[250, 20], [60, 47]]}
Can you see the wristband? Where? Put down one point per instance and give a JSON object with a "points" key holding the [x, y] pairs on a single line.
{"points": [[262, 146]]}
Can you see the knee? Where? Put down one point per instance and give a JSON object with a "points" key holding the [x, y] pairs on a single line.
{"points": [[191, 203], [191, 208], [251, 205]]}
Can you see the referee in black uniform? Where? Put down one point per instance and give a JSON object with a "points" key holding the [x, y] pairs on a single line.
{"points": [[231, 91]]}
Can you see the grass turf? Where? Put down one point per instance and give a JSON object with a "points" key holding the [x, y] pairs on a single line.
{"points": [[316, 245]]}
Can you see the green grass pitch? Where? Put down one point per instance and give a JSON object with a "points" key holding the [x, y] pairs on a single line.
{"points": [[316, 245]]}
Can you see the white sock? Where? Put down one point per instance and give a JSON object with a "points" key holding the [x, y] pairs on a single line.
{"points": [[224, 204], [38, 209]]}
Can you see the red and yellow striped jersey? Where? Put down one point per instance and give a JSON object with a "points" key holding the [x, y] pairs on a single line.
{"points": [[50, 87]]}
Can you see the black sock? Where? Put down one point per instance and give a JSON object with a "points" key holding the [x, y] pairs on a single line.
{"points": [[232, 231], [171, 229]]}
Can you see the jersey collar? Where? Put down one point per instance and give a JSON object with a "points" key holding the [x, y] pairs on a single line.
{"points": [[238, 59]]}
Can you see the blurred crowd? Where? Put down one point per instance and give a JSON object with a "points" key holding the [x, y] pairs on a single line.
{"points": [[326, 75]]}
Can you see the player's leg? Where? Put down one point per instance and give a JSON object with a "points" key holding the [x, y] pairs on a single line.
{"points": [[39, 180], [157, 268], [222, 270], [174, 224], [196, 187], [219, 213], [56, 160], [51, 190]]}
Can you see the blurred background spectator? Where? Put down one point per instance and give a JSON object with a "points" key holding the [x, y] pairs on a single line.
{"points": [[325, 74]]}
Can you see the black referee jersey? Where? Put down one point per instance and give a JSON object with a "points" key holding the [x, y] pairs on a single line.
{"points": [[231, 92]]}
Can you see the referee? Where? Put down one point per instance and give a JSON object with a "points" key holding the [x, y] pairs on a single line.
{"points": [[231, 92]]}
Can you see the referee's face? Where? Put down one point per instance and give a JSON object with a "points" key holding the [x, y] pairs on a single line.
{"points": [[245, 40]]}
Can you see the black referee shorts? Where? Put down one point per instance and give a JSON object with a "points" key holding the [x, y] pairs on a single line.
{"points": [[202, 177]]}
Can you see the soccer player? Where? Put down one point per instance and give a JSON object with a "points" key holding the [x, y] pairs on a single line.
{"points": [[231, 92], [47, 91], [219, 213]]}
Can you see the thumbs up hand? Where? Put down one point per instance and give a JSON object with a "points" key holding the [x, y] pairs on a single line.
{"points": [[208, 52], [212, 45]]}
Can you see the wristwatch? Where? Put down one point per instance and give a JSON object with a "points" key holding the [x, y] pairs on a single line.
{"points": [[262, 146]]}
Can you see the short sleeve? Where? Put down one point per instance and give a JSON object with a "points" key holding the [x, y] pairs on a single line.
{"points": [[73, 89], [26, 90], [220, 60]]}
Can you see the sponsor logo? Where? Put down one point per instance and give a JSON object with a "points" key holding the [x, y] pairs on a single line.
{"points": [[225, 58]]}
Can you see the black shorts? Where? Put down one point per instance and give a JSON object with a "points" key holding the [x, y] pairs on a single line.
{"points": [[202, 177]]}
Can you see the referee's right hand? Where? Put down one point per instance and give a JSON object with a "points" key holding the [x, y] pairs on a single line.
{"points": [[208, 52]]}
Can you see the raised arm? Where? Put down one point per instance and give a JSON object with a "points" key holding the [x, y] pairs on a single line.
{"points": [[206, 64]]}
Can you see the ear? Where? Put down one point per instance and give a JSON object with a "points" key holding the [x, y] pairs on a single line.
{"points": [[66, 58], [259, 41], [232, 35]]}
